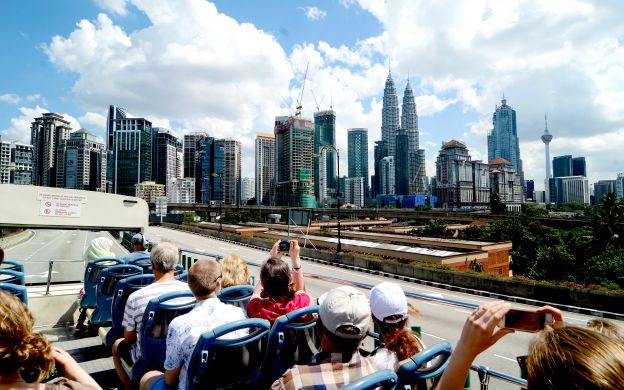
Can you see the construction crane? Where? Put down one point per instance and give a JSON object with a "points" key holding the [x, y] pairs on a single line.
{"points": [[315, 102], [298, 108]]}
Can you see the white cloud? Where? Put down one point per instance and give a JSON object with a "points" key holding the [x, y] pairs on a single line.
{"points": [[20, 126], [313, 13], [10, 98], [95, 122], [115, 6], [33, 97]]}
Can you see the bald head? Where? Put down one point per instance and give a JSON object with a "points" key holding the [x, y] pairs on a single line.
{"points": [[204, 278]]}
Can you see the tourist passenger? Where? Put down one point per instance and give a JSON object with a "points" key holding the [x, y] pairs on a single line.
{"points": [[204, 280], [139, 246], [279, 292], [164, 259], [390, 312], [343, 322], [99, 248], [607, 328], [27, 358], [561, 357], [235, 271]]}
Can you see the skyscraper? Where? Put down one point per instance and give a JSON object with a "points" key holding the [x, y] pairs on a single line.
{"points": [[232, 171], [619, 185], [357, 145], [503, 138], [417, 177], [381, 151], [401, 163], [204, 160], [248, 189], [579, 166], [603, 187], [190, 149], [390, 116], [166, 159], [47, 135], [506, 183], [354, 191], [294, 151], [22, 163], [5, 162], [569, 189], [387, 178], [324, 135], [546, 138], [562, 166], [130, 148], [265, 168], [82, 163]]}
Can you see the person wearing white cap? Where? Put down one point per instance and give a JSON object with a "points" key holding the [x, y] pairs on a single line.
{"points": [[139, 246], [342, 324], [390, 313]]}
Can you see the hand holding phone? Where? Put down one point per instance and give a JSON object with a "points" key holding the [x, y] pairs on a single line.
{"points": [[284, 246], [526, 320]]}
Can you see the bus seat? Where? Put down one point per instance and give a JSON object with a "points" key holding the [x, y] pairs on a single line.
{"points": [[109, 277], [143, 262], [160, 311], [384, 379], [12, 277], [293, 340], [177, 271], [213, 357], [413, 370], [237, 295], [124, 288], [183, 277], [12, 265], [92, 276], [17, 290]]}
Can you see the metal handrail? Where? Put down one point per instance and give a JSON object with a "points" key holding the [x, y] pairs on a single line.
{"points": [[486, 373]]}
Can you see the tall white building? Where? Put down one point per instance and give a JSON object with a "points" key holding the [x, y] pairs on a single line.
{"points": [[183, 190], [248, 189], [82, 163], [5, 162], [390, 116], [619, 185], [569, 189], [265, 168], [388, 184], [47, 135], [232, 171], [354, 191]]}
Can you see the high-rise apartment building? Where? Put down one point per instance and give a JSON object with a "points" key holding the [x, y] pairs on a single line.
{"points": [[82, 163], [390, 116], [232, 171], [503, 138], [619, 185], [248, 189], [354, 191], [265, 168], [166, 159], [5, 162], [130, 148], [324, 135], [47, 135], [183, 190], [380, 151], [21, 163], [294, 154], [149, 191], [603, 187], [357, 145], [387, 179]]}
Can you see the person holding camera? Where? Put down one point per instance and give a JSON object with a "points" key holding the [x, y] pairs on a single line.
{"points": [[281, 288]]}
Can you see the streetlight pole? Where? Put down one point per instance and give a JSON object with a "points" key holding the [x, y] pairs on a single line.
{"points": [[331, 148]]}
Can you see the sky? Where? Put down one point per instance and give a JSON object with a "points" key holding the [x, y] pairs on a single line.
{"points": [[229, 67]]}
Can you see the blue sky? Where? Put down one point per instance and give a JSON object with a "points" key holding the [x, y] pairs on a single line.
{"points": [[230, 66]]}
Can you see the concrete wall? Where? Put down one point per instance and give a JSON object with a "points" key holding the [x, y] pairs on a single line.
{"points": [[515, 290]]}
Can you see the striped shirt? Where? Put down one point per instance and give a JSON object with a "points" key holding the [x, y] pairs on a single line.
{"points": [[327, 371], [137, 303]]}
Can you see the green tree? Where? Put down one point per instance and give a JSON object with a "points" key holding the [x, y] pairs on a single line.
{"points": [[189, 217], [530, 210], [435, 228], [606, 268], [496, 205], [608, 223]]}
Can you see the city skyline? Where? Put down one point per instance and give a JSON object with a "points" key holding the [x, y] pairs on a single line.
{"points": [[486, 53]]}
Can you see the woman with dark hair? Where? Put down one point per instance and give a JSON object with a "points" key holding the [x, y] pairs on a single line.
{"points": [[279, 291], [27, 358], [391, 312]]}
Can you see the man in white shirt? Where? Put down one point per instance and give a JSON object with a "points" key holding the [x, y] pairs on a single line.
{"points": [[204, 280], [164, 259]]}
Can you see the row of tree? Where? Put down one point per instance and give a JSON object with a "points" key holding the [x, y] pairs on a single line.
{"points": [[592, 255]]}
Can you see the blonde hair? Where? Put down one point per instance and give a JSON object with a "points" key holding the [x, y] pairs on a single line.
{"points": [[20, 348], [572, 357], [607, 328], [234, 270]]}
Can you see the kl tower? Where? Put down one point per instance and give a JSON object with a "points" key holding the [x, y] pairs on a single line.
{"points": [[546, 138]]}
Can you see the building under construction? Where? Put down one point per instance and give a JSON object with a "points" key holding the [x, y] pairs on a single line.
{"points": [[294, 143]]}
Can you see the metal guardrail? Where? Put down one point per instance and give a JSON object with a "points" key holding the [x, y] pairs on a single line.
{"points": [[188, 261], [51, 263], [485, 374]]}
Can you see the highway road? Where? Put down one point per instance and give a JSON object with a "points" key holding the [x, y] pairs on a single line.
{"points": [[64, 247], [438, 321]]}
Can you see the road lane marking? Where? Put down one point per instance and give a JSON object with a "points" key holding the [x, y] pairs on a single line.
{"points": [[506, 358], [434, 336]]}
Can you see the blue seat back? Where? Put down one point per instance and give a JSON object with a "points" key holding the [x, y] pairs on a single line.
{"points": [[177, 271], [12, 265], [12, 277], [17, 290], [414, 369], [293, 340], [229, 363], [143, 262], [109, 277], [124, 288], [183, 277], [237, 295], [384, 379], [159, 313], [91, 278]]}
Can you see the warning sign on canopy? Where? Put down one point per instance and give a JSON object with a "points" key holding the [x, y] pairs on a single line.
{"points": [[59, 205]]}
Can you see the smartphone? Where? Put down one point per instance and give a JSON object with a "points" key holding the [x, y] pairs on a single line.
{"points": [[526, 320], [284, 246]]}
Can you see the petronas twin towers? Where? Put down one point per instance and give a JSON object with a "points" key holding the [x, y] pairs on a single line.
{"points": [[400, 145]]}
